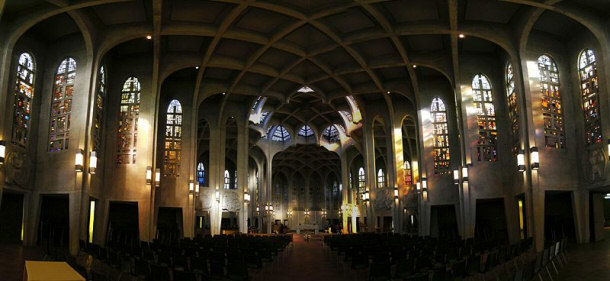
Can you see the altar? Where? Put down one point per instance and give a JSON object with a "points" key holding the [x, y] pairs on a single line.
{"points": [[313, 227]]}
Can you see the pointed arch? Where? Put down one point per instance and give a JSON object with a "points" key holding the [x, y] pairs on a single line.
{"points": [[24, 97], [227, 180], [331, 134], [442, 156], [589, 89], [201, 173], [173, 139], [61, 105], [306, 131], [552, 111], [129, 113], [280, 134], [380, 178]]}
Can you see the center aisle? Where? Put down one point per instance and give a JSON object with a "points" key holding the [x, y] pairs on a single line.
{"points": [[305, 261]]}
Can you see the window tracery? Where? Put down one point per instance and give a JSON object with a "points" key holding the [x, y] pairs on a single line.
{"points": [[486, 119], [173, 139], [380, 179], [513, 108], [306, 131], [61, 105], [554, 135], [331, 134], [442, 155], [589, 89], [128, 121], [98, 115], [280, 134], [200, 174], [24, 95]]}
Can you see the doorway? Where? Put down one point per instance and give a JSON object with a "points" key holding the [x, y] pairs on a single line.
{"points": [[558, 216], [54, 225], [443, 221], [169, 224], [491, 220], [11, 218], [123, 227]]}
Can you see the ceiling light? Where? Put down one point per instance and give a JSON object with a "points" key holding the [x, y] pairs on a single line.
{"points": [[461, 35], [223, 93], [388, 92], [196, 67], [415, 66], [148, 37]]}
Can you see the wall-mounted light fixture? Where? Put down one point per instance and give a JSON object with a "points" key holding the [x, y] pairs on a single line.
{"points": [[191, 187], [149, 175], [307, 212], [323, 213], [521, 160], [158, 177], [79, 160], [2, 151], [246, 197], [258, 209], [534, 158], [456, 176], [608, 149], [196, 188], [217, 196], [92, 162], [418, 186], [465, 173], [395, 192]]}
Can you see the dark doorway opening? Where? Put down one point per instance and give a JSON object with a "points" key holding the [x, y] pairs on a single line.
{"points": [[169, 224], [491, 220], [54, 224], [443, 222], [11, 218], [558, 216], [228, 224], [387, 224], [123, 227]]}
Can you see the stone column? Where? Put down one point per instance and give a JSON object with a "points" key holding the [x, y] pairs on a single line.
{"points": [[242, 173], [268, 198], [216, 173], [369, 163], [346, 192]]}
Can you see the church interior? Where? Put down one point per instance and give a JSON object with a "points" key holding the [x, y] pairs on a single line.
{"points": [[419, 140]]}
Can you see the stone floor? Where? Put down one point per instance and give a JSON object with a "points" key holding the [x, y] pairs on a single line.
{"points": [[589, 262], [12, 260]]}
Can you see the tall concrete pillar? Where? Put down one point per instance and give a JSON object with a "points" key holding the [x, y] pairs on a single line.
{"points": [[242, 173], [216, 175], [345, 192], [369, 163]]}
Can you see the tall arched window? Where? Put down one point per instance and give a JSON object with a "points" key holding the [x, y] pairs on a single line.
{"points": [[589, 89], [24, 95], [361, 182], [380, 178], [486, 118], [227, 183], [554, 135], [408, 173], [61, 105], [442, 156], [128, 121], [280, 134], [98, 114], [173, 139], [513, 108], [235, 181], [331, 134], [200, 174]]}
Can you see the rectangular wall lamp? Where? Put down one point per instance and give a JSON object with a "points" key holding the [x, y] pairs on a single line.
{"points": [[534, 158], [2, 151], [78, 160], [149, 175], [157, 177], [521, 160], [92, 162]]}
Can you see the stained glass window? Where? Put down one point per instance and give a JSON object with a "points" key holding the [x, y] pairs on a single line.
{"points": [[513, 108], [306, 131], [264, 115], [331, 134], [552, 111], [380, 179], [200, 174], [227, 184], [61, 105], [24, 95], [486, 119], [128, 121], [235, 181], [361, 183], [438, 113], [408, 173], [589, 89], [280, 134], [173, 139], [98, 114]]}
